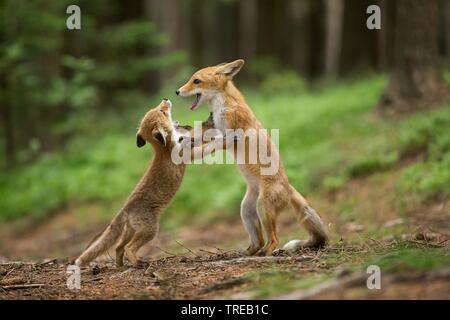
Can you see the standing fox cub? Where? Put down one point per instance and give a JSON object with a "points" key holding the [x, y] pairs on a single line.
{"points": [[266, 195], [138, 221]]}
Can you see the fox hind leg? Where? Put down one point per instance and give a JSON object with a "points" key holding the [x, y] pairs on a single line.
{"points": [[268, 216], [127, 234], [139, 239], [251, 220]]}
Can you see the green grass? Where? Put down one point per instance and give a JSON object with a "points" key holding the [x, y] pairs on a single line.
{"points": [[431, 178], [410, 258], [327, 136], [274, 282], [395, 258]]}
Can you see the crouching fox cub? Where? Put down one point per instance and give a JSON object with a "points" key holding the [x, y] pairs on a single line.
{"points": [[138, 221]]}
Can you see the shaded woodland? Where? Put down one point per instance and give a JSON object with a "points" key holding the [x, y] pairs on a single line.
{"points": [[53, 79]]}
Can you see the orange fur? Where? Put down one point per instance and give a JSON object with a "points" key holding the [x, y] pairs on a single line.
{"points": [[138, 221], [266, 195]]}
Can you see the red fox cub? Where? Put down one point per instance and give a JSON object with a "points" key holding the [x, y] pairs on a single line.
{"points": [[138, 221], [266, 195]]}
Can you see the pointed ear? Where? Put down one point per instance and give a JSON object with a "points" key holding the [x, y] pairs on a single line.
{"points": [[140, 142], [160, 135], [230, 69]]}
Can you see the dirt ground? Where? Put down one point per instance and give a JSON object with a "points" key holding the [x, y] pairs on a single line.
{"points": [[204, 261], [208, 276]]}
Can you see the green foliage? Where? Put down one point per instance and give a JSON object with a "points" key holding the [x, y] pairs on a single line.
{"points": [[428, 180], [447, 76], [103, 164], [287, 82], [275, 282], [395, 258], [263, 66], [406, 258], [275, 79], [366, 166], [326, 138], [127, 64], [421, 136], [427, 134], [334, 182], [55, 79]]}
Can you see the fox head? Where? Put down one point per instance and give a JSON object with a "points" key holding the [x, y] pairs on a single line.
{"points": [[206, 83], [156, 127]]}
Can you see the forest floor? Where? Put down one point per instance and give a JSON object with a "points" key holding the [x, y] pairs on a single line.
{"points": [[203, 262]]}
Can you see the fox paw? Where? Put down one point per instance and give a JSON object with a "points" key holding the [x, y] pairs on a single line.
{"points": [[280, 253], [263, 252], [251, 250], [141, 264]]}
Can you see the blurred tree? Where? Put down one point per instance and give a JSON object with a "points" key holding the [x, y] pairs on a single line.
{"points": [[382, 36], [300, 21], [215, 41], [266, 28], [446, 13], [248, 16], [360, 46], [167, 16], [334, 19], [29, 46], [54, 79], [416, 77]]}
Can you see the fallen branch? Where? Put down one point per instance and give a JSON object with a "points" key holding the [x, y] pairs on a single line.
{"points": [[8, 273], [182, 245], [359, 279], [17, 263], [210, 252], [333, 285], [260, 259], [428, 244], [227, 284], [166, 252], [93, 280], [222, 251], [23, 286], [47, 262]]}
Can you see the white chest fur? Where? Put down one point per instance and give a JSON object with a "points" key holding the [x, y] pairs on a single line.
{"points": [[218, 109]]}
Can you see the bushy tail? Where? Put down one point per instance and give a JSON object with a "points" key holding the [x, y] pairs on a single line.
{"points": [[312, 222], [103, 242]]}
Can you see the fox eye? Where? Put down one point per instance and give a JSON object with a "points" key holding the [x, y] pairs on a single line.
{"points": [[163, 112], [197, 81]]}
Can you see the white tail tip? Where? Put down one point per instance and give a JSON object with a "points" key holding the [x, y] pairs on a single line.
{"points": [[293, 245]]}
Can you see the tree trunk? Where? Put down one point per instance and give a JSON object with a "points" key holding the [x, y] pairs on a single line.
{"points": [[416, 78], [266, 28], [166, 15], [299, 12], [195, 12], [214, 36], [446, 7], [382, 37], [334, 18], [7, 123], [248, 19], [151, 10], [8, 129]]}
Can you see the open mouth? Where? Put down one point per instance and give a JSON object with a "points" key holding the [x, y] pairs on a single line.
{"points": [[195, 104]]}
